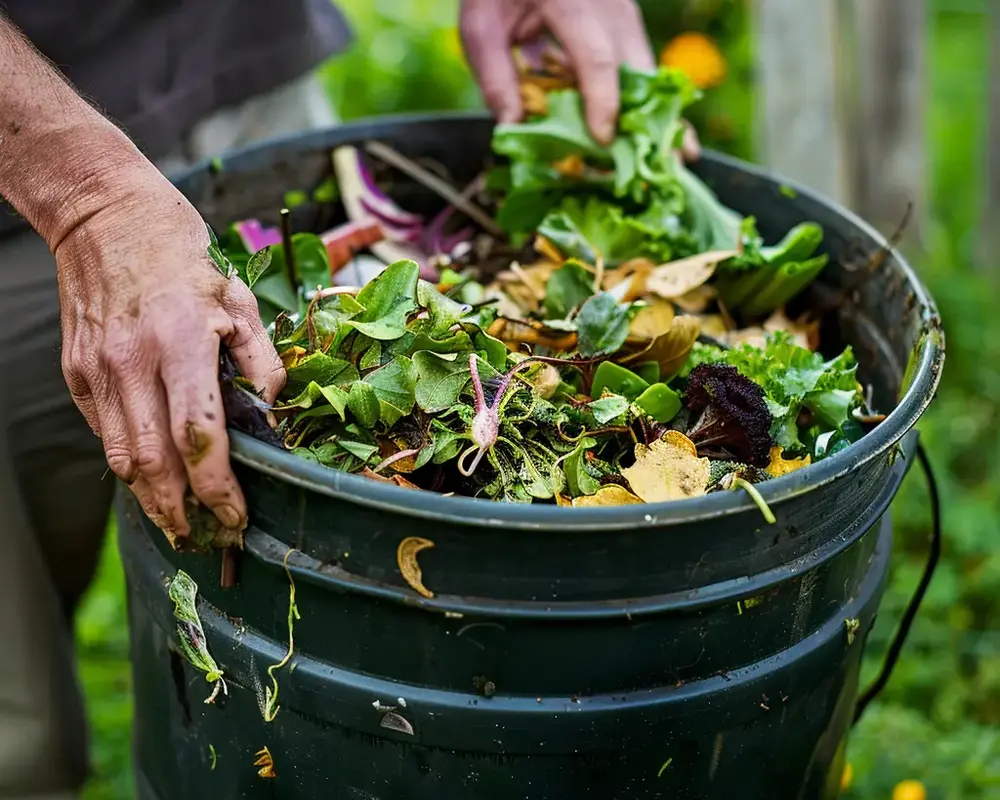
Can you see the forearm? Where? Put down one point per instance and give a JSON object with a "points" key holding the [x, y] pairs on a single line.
{"points": [[59, 157]]}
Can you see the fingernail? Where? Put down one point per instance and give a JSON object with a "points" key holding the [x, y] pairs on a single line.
{"points": [[227, 516], [604, 133]]}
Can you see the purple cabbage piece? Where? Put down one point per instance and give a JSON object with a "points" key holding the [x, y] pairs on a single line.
{"points": [[255, 236]]}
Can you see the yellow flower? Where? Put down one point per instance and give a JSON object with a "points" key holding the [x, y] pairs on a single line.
{"points": [[697, 56], [847, 778], [909, 790]]}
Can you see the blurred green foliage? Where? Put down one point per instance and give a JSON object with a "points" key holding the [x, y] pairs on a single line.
{"points": [[938, 720]]}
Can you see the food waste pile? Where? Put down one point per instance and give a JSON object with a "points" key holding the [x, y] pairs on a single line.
{"points": [[582, 325]]}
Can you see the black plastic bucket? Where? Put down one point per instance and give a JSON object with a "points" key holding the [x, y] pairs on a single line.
{"points": [[682, 650]]}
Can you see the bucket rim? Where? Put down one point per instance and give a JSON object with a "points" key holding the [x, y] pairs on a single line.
{"points": [[926, 359]]}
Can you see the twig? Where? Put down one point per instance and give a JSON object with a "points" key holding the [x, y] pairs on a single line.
{"points": [[228, 579], [434, 183]]}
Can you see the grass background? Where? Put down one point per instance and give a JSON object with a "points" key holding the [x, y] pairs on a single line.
{"points": [[938, 720]]}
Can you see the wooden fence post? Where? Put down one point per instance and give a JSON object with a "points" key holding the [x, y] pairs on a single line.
{"points": [[800, 130], [989, 250], [892, 52]]}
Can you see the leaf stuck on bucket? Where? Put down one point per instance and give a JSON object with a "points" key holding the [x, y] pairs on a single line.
{"points": [[183, 592], [406, 559]]}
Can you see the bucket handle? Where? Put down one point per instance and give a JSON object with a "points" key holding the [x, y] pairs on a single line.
{"points": [[906, 622]]}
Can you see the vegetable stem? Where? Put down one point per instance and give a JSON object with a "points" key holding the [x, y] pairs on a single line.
{"points": [[760, 502]]}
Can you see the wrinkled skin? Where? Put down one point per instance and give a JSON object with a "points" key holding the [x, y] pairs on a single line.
{"points": [[596, 35], [143, 313]]}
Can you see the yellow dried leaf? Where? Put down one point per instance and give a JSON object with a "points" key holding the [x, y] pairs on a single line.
{"points": [[610, 495], [697, 300], [265, 761], [667, 470], [563, 501], [671, 349], [714, 325], [677, 278], [291, 356], [782, 466], [654, 320], [406, 559], [547, 250], [679, 440]]}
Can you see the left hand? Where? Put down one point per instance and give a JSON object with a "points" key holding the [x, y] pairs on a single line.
{"points": [[597, 35]]}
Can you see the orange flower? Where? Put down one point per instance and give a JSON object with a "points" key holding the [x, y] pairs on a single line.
{"points": [[697, 56], [909, 790]]}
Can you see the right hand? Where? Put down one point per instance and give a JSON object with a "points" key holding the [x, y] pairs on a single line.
{"points": [[144, 310], [596, 37]]}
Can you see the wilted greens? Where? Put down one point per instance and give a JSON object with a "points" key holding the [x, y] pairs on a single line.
{"points": [[613, 334]]}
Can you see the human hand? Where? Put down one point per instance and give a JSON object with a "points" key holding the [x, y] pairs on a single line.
{"points": [[144, 310], [597, 36]]}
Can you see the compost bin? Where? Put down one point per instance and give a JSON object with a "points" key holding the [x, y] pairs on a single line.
{"points": [[681, 650]]}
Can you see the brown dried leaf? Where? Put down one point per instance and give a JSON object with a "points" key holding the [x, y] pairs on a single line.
{"points": [[610, 495], [677, 278], [406, 560], [517, 332], [667, 470], [523, 288], [399, 480], [505, 305], [628, 282], [671, 349], [652, 321], [714, 325], [697, 300], [781, 466], [805, 333]]}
